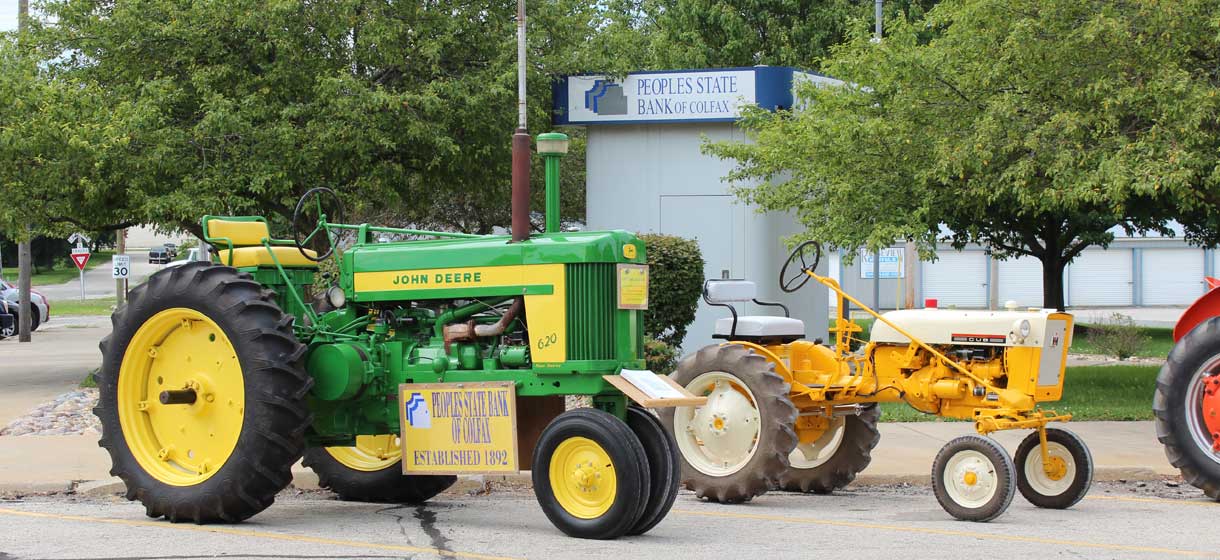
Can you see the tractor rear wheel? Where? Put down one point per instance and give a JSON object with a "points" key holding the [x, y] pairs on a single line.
{"points": [[737, 445], [371, 471], [202, 395], [1187, 407], [834, 459], [591, 474]]}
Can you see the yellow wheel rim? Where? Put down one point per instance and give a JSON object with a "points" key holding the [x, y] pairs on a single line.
{"points": [[371, 453], [582, 478], [181, 444]]}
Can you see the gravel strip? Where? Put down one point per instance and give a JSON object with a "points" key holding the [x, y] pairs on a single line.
{"points": [[69, 414]]}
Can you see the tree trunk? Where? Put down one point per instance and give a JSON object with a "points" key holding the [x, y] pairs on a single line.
{"points": [[1052, 280]]}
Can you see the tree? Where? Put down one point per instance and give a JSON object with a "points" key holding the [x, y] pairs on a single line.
{"points": [[702, 33], [240, 106], [1034, 127]]}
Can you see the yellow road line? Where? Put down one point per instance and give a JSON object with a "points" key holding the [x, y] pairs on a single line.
{"points": [[949, 533], [256, 534], [1155, 500]]}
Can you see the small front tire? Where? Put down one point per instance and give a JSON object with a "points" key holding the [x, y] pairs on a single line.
{"points": [[665, 467], [590, 475], [973, 478], [1068, 479]]}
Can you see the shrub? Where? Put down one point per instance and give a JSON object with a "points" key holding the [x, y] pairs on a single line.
{"points": [[675, 282], [661, 357], [1117, 336]]}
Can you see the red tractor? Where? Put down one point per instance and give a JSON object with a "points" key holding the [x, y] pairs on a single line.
{"points": [[1187, 401]]}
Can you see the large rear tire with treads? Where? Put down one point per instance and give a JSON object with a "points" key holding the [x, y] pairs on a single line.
{"points": [[834, 459], [1188, 382], [202, 395], [737, 445], [371, 471]]}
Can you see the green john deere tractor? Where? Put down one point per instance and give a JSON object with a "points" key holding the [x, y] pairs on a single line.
{"points": [[442, 355]]}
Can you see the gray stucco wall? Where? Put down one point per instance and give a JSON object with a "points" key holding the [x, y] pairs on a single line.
{"points": [[653, 178]]}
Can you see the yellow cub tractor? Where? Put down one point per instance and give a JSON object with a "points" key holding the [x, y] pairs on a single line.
{"points": [[794, 414]]}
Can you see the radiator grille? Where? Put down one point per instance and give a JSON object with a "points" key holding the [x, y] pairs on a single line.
{"points": [[591, 309]]}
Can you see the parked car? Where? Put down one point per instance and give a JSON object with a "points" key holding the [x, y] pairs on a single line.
{"points": [[8, 321], [10, 294], [192, 254], [159, 255], [172, 249]]}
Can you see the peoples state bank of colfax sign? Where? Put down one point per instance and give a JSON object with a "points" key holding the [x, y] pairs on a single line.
{"points": [[714, 95]]}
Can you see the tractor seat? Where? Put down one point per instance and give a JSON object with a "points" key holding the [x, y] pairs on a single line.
{"points": [[760, 326], [239, 243], [760, 329], [258, 256]]}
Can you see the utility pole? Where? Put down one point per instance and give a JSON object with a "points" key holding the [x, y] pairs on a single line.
{"points": [[24, 264]]}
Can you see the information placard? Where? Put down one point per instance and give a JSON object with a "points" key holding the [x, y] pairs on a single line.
{"points": [[458, 428], [632, 286]]}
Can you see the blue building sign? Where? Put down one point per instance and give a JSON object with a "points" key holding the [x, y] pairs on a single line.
{"points": [[713, 95]]}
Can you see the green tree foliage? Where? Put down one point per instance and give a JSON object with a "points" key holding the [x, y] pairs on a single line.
{"points": [[1033, 127], [63, 146], [675, 281], [241, 105], [717, 33]]}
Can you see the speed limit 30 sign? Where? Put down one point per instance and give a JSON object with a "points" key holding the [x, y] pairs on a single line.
{"points": [[120, 266]]}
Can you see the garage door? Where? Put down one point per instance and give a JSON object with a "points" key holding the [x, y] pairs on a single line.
{"points": [[957, 279], [1021, 281], [1100, 278], [1171, 276]]}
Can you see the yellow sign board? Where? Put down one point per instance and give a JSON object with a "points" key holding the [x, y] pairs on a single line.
{"points": [[632, 286], [458, 428]]}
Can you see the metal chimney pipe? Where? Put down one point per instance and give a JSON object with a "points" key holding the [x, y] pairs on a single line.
{"points": [[521, 142]]}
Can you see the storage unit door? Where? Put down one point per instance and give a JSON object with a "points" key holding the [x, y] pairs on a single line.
{"points": [[957, 279], [1171, 276], [1100, 278], [1021, 281]]}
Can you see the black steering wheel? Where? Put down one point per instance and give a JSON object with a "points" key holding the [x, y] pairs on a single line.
{"points": [[805, 257], [309, 213]]}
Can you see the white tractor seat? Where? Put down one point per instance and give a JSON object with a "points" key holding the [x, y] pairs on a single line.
{"points": [[760, 326]]}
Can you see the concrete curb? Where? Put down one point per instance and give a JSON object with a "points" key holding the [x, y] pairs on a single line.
{"points": [[305, 479]]}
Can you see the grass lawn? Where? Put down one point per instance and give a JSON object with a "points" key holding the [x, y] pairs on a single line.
{"points": [[1159, 342], [62, 272], [1089, 393], [74, 307]]}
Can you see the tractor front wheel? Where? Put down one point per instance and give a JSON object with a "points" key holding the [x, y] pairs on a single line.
{"points": [[591, 475], [371, 471], [1187, 407], [833, 459], [1061, 483], [972, 478], [202, 395], [736, 446], [665, 467]]}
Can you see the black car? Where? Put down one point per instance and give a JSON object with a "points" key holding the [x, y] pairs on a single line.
{"points": [[159, 255], [8, 321]]}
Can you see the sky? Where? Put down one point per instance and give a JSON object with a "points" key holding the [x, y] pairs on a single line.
{"points": [[8, 15]]}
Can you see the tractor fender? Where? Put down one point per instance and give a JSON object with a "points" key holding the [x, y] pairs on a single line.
{"points": [[781, 368], [1202, 309]]}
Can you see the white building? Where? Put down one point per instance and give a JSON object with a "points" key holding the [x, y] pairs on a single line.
{"points": [[1131, 272], [646, 173]]}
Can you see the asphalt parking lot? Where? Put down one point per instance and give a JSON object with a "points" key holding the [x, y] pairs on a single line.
{"points": [[1114, 521]]}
